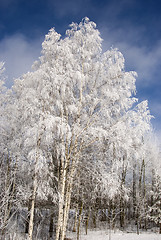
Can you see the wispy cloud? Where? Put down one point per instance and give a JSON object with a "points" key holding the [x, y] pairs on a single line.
{"points": [[145, 61], [18, 53]]}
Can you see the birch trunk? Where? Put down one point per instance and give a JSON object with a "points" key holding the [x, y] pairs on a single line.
{"points": [[60, 212], [141, 194], [31, 222], [68, 199], [33, 198], [134, 191], [62, 185], [122, 203]]}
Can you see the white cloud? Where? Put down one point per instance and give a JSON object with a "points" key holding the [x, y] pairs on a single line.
{"points": [[156, 108], [145, 61], [18, 54]]}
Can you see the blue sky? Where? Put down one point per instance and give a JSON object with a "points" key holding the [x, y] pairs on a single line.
{"points": [[133, 26]]}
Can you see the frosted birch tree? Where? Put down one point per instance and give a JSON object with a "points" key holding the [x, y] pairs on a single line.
{"points": [[3, 187], [5, 165], [76, 97], [7, 161], [35, 135], [153, 211]]}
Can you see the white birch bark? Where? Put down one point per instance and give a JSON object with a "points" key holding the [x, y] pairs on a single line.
{"points": [[68, 200], [35, 184], [31, 222], [62, 185]]}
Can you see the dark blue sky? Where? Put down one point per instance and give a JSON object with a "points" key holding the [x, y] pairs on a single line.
{"points": [[133, 26]]}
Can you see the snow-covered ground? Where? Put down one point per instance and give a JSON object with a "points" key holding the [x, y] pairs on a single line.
{"points": [[104, 235], [96, 235]]}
